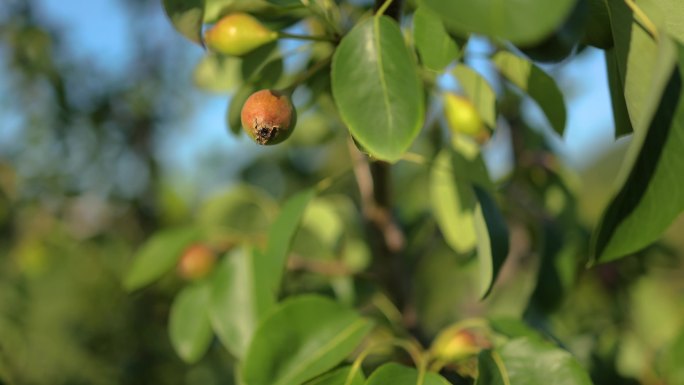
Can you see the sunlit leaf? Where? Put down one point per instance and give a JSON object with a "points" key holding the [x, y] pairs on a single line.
{"points": [[396, 374], [189, 326], [158, 255], [479, 92], [302, 338], [436, 48], [521, 22], [529, 361], [240, 298], [537, 84], [376, 88], [647, 199]]}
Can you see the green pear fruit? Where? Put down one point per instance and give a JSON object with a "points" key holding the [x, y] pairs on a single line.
{"points": [[462, 117], [237, 34]]}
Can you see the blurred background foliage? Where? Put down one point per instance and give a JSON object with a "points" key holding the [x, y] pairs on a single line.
{"points": [[85, 178]]}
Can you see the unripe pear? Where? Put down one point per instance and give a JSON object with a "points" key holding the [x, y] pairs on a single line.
{"points": [[196, 262], [237, 34], [454, 344], [268, 116], [463, 118]]}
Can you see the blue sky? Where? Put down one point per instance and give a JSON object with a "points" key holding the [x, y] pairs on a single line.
{"points": [[98, 31]]}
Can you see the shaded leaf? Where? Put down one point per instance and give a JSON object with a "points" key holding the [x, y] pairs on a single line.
{"points": [[492, 240], [189, 326], [436, 48], [396, 374], [158, 255], [304, 337], [521, 22], [376, 88], [529, 361], [240, 298], [648, 198], [480, 93], [186, 16], [537, 84], [623, 125]]}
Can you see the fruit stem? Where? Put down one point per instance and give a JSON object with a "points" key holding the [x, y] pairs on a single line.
{"points": [[383, 8], [286, 35], [306, 75], [644, 20]]}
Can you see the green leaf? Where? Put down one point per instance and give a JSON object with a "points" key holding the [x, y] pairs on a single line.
{"points": [[529, 361], [396, 374], [217, 73], [158, 255], [263, 66], [280, 236], [235, 108], [537, 84], [340, 376], [189, 326], [648, 199], [623, 125], [492, 240], [453, 204], [186, 16], [376, 88], [673, 13], [480, 93], [436, 48], [240, 298], [304, 337], [521, 22]]}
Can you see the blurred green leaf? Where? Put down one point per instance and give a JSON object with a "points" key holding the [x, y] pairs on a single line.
{"points": [[453, 204], [235, 108], [671, 362], [189, 326], [240, 298], [521, 22], [644, 204], [396, 374], [186, 16], [158, 255], [304, 337], [217, 73], [280, 236], [340, 377], [263, 67], [492, 240], [479, 92], [376, 88], [537, 84], [436, 48], [529, 361], [623, 125]]}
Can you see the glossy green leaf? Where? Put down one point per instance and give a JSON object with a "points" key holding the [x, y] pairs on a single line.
{"points": [[521, 22], [240, 298], [186, 16], [376, 88], [648, 199], [341, 376], [396, 374], [235, 107], [453, 204], [537, 84], [303, 338], [529, 361], [189, 326], [158, 255], [280, 236], [479, 92], [436, 48], [492, 240]]}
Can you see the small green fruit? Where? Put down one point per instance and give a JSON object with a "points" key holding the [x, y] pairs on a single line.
{"points": [[196, 262], [454, 344], [238, 34], [463, 118], [268, 116]]}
